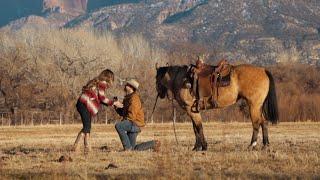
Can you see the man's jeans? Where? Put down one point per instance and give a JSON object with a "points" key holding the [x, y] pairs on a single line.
{"points": [[128, 133]]}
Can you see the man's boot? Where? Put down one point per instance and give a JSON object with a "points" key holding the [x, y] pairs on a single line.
{"points": [[87, 147], [157, 145], [76, 146]]}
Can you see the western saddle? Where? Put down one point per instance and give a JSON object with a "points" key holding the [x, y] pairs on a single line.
{"points": [[206, 83]]}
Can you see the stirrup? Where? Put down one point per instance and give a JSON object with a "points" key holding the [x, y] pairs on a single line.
{"points": [[195, 106]]}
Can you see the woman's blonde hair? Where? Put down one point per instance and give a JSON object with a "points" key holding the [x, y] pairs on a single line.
{"points": [[106, 75]]}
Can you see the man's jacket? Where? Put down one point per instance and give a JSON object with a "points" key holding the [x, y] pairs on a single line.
{"points": [[132, 109]]}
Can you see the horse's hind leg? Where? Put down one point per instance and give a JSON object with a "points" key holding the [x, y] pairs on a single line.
{"points": [[264, 126], [256, 118], [201, 143]]}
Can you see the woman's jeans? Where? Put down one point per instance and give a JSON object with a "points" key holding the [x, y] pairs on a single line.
{"points": [[128, 132]]}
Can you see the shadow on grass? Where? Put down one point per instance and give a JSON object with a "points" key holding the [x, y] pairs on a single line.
{"points": [[56, 175], [19, 150], [53, 175]]}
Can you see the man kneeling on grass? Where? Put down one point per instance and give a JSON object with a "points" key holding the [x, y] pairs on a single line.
{"points": [[133, 118]]}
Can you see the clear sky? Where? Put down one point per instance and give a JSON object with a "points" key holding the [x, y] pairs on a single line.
{"points": [[13, 9]]}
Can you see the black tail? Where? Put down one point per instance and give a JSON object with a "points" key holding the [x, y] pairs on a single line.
{"points": [[270, 105]]}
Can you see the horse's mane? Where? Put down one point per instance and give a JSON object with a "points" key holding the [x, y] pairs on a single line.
{"points": [[161, 71], [175, 69], [177, 73]]}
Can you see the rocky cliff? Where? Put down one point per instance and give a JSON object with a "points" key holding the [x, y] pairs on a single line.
{"points": [[73, 7], [262, 31], [53, 13]]}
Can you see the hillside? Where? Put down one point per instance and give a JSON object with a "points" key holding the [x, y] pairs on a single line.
{"points": [[256, 31], [260, 32]]}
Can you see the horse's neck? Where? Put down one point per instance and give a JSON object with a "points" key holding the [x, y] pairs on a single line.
{"points": [[172, 80], [175, 85]]}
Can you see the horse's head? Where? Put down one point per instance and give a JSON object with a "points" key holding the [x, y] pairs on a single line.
{"points": [[161, 88]]}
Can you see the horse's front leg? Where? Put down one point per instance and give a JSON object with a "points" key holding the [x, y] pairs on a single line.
{"points": [[201, 143], [197, 145]]}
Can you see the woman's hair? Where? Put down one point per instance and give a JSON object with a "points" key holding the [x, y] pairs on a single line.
{"points": [[106, 75], [90, 84]]}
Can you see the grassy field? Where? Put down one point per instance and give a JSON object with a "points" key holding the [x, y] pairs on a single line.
{"points": [[33, 153]]}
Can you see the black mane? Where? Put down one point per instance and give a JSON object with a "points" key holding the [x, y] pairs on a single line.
{"points": [[172, 69], [178, 75]]}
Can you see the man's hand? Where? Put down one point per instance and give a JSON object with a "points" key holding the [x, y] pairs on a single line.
{"points": [[118, 104]]}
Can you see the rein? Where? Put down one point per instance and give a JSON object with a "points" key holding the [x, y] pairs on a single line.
{"points": [[173, 114], [154, 107], [173, 121]]}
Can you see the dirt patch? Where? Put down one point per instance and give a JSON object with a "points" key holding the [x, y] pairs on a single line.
{"points": [[65, 158], [111, 166], [105, 149]]}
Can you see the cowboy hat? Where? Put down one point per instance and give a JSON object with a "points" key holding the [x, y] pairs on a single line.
{"points": [[133, 83]]}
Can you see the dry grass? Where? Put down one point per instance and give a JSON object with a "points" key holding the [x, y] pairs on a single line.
{"points": [[295, 153], [43, 70]]}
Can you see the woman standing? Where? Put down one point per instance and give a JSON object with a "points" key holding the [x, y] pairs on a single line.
{"points": [[93, 94]]}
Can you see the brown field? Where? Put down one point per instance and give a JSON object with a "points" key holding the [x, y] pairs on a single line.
{"points": [[32, 153]]}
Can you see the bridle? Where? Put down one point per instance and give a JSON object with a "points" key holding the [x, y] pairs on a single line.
{"points": [[173, 114]]}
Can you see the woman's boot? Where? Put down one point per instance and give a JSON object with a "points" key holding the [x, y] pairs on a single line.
{"points": [[76, 145]]}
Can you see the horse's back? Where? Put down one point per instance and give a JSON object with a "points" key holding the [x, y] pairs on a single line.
{"points": [[247, 72], [248, 67]]}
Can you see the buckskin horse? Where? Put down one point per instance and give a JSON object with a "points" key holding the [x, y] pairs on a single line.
{"points": [[254, 84]]}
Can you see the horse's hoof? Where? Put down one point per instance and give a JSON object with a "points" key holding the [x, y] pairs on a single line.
{"points": [[252, 146], [265, 147], [204, 148], [197, 149]]}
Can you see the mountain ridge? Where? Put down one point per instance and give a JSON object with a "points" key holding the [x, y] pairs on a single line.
{"points": [[257, 31]]}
